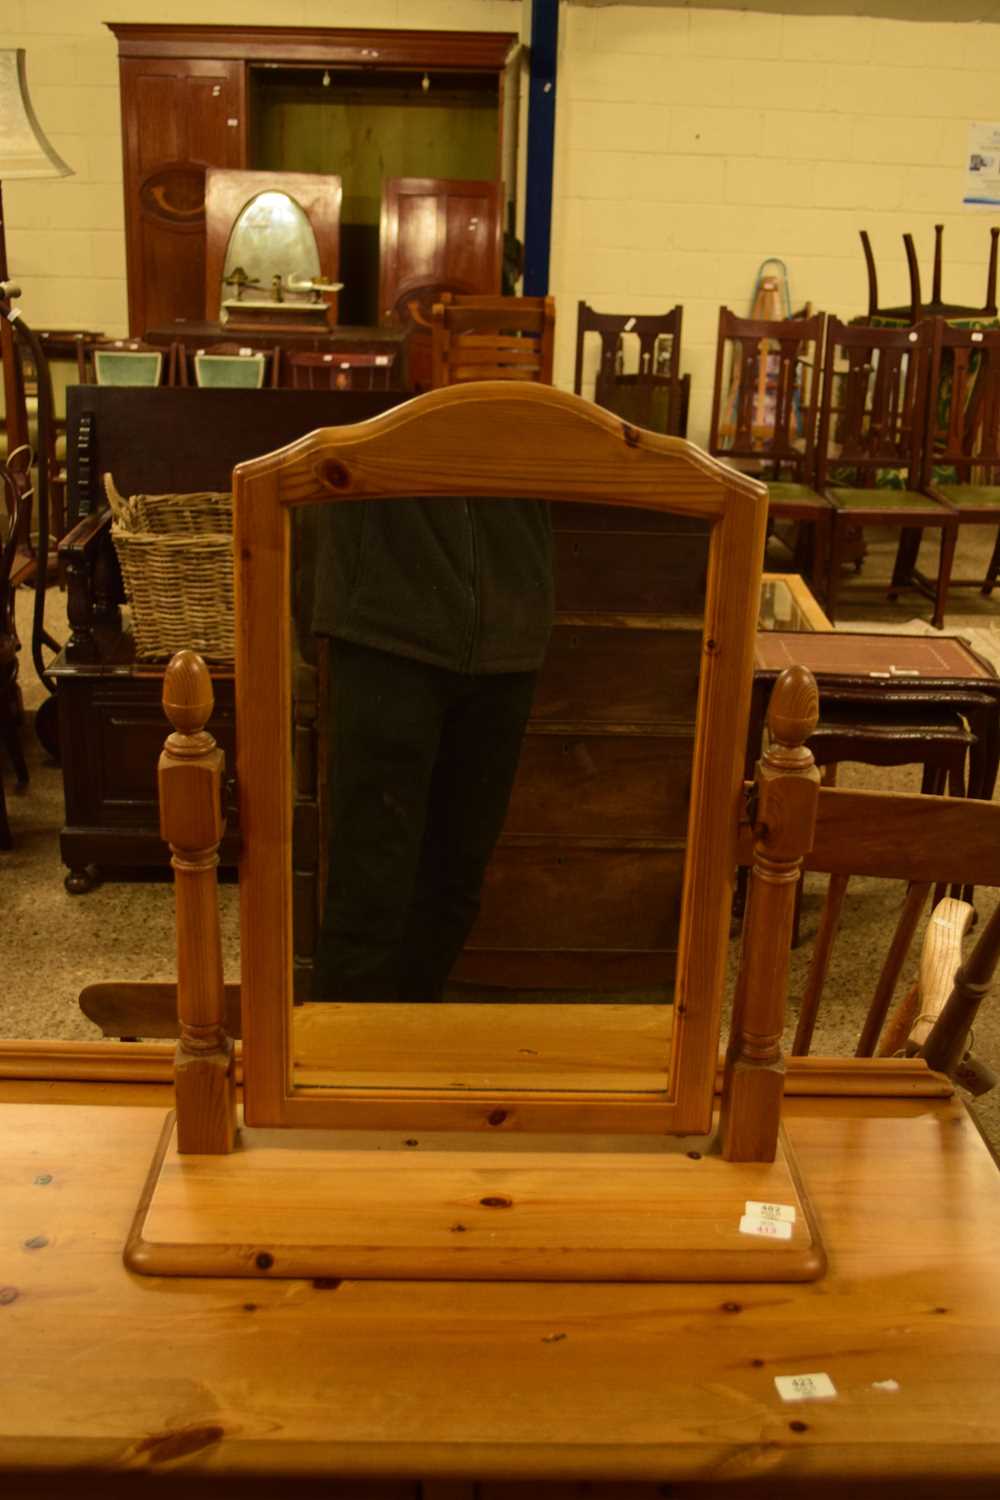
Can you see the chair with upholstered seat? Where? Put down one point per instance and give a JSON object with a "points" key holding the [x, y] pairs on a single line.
{"points": [[228, 366], [961, 458], [872, 423], [130, 362], [764, 421]]}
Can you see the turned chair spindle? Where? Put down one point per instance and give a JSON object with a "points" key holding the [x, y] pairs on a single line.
{"points": [[192, 822], [787, 788]]}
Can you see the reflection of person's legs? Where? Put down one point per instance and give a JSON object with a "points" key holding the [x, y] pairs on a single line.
{"points": [[471, 786], [386, 713]]}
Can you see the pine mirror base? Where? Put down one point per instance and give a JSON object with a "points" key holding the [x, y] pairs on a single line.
{"points": [[307, 1203]]}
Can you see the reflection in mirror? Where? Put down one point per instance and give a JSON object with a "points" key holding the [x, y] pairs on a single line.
{"points": [[494, 729]]}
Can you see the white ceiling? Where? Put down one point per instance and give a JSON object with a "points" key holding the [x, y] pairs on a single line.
{"points": [[896, 10]]}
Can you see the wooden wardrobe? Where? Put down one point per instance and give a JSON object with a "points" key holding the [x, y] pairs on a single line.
{"points": [[276, 98]]}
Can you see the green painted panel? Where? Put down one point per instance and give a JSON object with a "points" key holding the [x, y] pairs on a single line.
{"points": [[365, 141]]}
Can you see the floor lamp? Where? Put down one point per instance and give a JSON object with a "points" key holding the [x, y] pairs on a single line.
{"points": [[24, 152]]}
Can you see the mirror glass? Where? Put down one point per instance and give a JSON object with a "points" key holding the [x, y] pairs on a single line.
{"points": [[272, 238], [502, 695]]}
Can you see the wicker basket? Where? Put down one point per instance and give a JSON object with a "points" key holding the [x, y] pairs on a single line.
{"points": [[176, 556]]}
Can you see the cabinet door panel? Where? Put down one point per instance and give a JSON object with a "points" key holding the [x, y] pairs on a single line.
{"points": [[161, 132], [177, 117], [438, 234]]}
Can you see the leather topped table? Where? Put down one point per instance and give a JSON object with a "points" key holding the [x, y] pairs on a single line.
{"points": [[110, 1381], [882, 670]]}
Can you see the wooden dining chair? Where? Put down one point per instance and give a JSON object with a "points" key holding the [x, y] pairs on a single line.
{"points": [[872, 424], [764, 421], [649, 390], [306, 370], [492, 338], [917, 308], [130, 362], [226, 365], [961, 454]]}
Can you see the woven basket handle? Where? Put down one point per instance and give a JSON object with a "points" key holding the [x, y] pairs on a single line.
{"points": [[117, 501]]}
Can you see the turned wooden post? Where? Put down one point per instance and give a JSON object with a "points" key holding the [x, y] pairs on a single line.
{"points": [[787, 788], [192, 822]]}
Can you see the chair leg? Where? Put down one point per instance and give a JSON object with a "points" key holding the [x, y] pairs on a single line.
{"points": [[12, 741], [821, 553], [6, 842], [989, 583], [932, 783], [833, 569], [906, 559], [949, 536]]}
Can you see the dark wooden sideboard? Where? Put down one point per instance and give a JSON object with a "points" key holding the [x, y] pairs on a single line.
{"points": [[111, 724], [584, 889]]}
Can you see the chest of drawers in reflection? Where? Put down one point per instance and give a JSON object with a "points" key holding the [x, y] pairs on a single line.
{"points": [[583, 893]]}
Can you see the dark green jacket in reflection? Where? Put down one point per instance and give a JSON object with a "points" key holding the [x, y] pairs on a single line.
{"points": [[462, 584]]}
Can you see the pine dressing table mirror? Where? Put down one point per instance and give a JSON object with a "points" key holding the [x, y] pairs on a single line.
{"points": [[493, 1138]]}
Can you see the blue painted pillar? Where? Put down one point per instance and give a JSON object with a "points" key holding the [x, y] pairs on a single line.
{"points": [[541, 140]]}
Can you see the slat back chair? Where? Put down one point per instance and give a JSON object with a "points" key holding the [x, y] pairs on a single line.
{"points": [[872, 424], [309, 371], [961, 457], [923, 841], [763, 420], [650, 394], [917, 307], [493, 338]]}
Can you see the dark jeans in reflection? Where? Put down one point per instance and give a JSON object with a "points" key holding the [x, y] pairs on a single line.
{"points": [[422, 761]]}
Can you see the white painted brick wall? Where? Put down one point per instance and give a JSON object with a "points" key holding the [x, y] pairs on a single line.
{"points": [[692, 144]]}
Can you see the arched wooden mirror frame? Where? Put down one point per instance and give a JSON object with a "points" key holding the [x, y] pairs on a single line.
{"points": [[489, 439]]}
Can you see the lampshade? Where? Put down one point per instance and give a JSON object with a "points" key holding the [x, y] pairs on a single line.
{"points": [[24, 150]]}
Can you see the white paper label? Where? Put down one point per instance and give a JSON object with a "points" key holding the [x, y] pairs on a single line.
{"points": [[805, 1387], [772, 1229], [784, 1211]]}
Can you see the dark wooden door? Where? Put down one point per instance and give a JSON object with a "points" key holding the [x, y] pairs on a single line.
{"points": [[438, 234], [180, 116]]}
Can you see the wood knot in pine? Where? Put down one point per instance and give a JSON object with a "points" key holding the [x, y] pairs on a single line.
{"points": [[335, 474]]}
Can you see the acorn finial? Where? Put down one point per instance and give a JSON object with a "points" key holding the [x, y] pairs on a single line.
{"points": [[188, 699], [793, 712]]}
